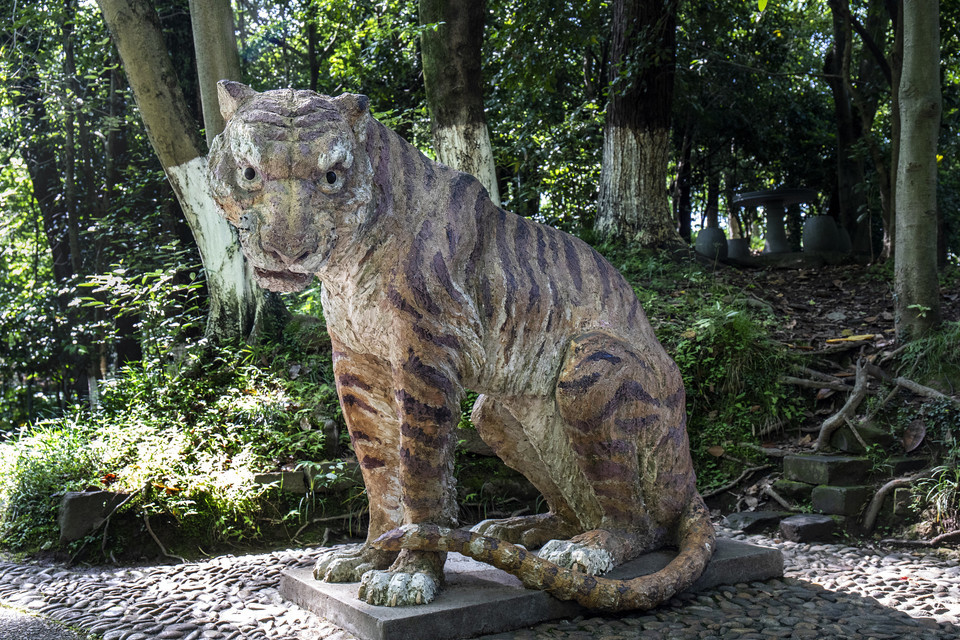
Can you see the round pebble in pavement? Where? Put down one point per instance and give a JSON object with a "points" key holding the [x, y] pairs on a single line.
{"points": [[829, 590], [15, 625]]}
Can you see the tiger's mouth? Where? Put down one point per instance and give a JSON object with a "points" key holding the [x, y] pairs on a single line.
{"points": [[282, 281]]}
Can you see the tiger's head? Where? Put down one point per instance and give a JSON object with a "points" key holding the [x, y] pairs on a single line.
{"points": [[291, 173]]}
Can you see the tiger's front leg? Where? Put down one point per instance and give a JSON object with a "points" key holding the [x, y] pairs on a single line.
{"points": [[364, 385], [428, 403]]}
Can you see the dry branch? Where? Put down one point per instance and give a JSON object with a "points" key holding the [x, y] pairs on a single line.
{"points": [[814, 384], [730, 485]]}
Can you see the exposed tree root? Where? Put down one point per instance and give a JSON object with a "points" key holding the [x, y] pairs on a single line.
{"points": [[873, 509], [921, 390], [848, 411], [943, 538]]}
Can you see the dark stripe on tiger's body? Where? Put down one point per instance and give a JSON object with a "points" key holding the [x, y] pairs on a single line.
{"points": [[421, 411], [351, 400], [445, 340], [430, 375], [351, 380], [573, 263]]}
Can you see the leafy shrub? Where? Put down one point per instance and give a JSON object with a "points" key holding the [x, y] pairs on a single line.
{"points": [[36, 470], [731, 371]]}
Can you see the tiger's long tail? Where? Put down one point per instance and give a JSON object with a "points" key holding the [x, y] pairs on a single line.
{"points": [[696, 547]]}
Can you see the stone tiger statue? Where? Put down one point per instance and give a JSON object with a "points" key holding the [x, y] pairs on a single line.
{"points": [[430, 289]]}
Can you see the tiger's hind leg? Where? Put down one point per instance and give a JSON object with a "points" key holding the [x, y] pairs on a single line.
{"points": [[623, 412], [501, 430]]}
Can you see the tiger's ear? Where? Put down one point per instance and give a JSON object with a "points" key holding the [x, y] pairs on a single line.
{"points": [[356, 110], [232, 95]]}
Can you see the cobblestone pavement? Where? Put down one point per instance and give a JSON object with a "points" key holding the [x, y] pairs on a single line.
{"points": [[829, 591]]}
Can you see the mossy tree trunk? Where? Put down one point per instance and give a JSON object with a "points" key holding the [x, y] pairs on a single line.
{"points": [[237, 304], [454, 84], [915, 265], [633, 204]]}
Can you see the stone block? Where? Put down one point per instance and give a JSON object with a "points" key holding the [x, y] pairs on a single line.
{"points": [[843, 439], [822, 469], [81, 512], [808, 528], [902, 502], [901, 465], [289, 481], [793, 490], [479, 599], [840, 501], [750, 521]]}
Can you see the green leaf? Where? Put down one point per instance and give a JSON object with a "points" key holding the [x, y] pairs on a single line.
{"points": [[762, 4]]}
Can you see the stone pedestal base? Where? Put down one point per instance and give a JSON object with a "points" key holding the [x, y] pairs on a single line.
{"points": [[479, 599]]}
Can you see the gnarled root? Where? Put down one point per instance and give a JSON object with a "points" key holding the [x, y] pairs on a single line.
{"points": [[697, 543]]}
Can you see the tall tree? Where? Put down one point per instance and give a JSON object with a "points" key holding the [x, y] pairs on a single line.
{"points": [[915, 265], [636, 145], [237, 304], [217, 57], [451, 45]]}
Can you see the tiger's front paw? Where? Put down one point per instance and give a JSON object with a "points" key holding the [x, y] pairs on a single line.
{"points": [[348, 563], [397, 589]]}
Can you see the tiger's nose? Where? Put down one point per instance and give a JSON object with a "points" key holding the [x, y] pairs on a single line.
{"points": [[285, 253]]}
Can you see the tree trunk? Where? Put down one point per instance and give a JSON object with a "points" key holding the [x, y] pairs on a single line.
{"points": [[850, 174], [454, 84], [235, 299], [915, 266], [896, 67], [217, 58], [633, 204]]}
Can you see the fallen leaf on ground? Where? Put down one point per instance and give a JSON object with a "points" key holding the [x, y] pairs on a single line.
{"points": [[859, 338]]}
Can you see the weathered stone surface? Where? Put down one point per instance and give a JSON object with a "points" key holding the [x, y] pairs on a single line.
{"points": [[793, 490], [479, 599], [822, 469], [808, 528], [81, 512], [841, 501], [750, 521], [289, 481], [901, 465], [843, 439]]}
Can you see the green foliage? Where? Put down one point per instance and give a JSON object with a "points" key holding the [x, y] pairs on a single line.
{"points": [[37, 468], [935, 358], [940, 493], [187, 426]]}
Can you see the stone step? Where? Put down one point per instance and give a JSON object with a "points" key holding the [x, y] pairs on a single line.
{"points": [[824, 469], [843, 439], [808, 528], [840, 501], [793, 490]]}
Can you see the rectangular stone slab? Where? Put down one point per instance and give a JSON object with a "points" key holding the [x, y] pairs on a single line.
{"points": [[479, 599]]}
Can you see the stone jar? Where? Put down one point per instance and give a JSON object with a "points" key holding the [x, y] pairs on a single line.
{"points": [[820, 235], [712, 243]]}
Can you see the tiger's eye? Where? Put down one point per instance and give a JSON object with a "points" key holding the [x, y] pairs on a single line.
{"points": [[249, 173], [331, 177]]}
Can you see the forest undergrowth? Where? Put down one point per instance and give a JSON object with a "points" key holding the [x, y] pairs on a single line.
{"points": [[767, 355]]}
